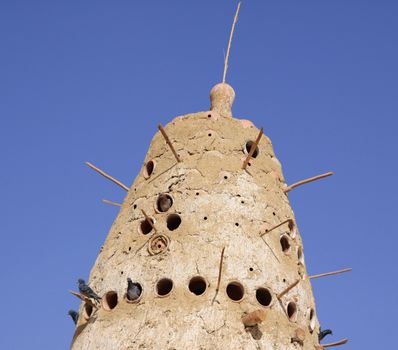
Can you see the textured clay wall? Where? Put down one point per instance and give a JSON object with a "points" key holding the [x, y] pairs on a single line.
{"points": [[215, 204]]}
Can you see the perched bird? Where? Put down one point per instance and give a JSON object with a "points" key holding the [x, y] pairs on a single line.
{"points": [[74, 315], [323, 334], [164, 203], [134, 290], [87, 291]]}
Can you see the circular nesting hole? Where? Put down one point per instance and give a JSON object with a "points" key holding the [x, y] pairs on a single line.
{"points": [[273, 213], [235, 291], [300, 255], [205, 218], [285, 244], [146, 226], [197, 193], [225, 177], [251, 269], [312, 320], [134, 299], [87, 311], [109, 300], [197, 285], [292, 311], [263, 296], [248, 148], [149, 168], [173, 221], [129, 249], [164, 287], [164, 202], [135, 206], [209, 134], [209, 116]]}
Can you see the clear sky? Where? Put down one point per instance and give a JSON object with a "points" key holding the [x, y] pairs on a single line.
{"points": [[90, 80]]}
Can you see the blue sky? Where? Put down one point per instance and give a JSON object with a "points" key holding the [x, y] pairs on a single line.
{"points": [[90, 80]]}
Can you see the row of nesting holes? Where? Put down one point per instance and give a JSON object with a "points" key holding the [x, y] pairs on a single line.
{"points": [[198, 285], [150, 165], [165, 202]]}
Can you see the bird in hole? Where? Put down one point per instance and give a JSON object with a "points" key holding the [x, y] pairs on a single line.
{"points": [[87, 291], [164, 203], [134, 290], [323, 334], [74, 315]]}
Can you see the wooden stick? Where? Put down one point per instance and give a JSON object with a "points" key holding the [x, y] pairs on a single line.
{"points": [[254, 317], [169, 142], [302, 182], [219, 275], [104, 174], [252, 149], [330, 273], [272, 251], [147, 218], [83, 298], [111, 203], [291, 226], [287, 290], [229, 43], [340, 342]]}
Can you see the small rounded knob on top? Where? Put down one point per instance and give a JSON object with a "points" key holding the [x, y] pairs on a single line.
{"points": [[222, 97]]}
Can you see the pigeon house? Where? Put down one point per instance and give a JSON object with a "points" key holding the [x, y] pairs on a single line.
{"points": [[208, 238]]}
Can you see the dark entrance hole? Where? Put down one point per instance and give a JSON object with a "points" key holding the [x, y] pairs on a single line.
{"points": [[285, 244], [149, 167], [248, 148], [109, 300], [146, 226], [164, 286], [173, 221], [197, 285], [292, 311], [263, 296], [235, 291]]}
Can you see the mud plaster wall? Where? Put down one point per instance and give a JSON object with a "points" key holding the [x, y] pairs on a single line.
{"points": [[220, 205]]}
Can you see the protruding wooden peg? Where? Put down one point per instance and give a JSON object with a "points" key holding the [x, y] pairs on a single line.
{"points": [[330, 273], [252, 149], [288, 289], [104, 174], [337, 343], [254, 318], [169, 142], [219, 274], [148, 219], [111, 203], [291, 226], [302, 182], [84, 298]]}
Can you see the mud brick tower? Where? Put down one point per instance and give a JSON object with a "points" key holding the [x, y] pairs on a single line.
{"points": [[207, 232]]}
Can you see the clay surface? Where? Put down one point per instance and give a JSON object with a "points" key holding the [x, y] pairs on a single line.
{"points": [[220, 205]]}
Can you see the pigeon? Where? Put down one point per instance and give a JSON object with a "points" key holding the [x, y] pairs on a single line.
{"points": [[74, 315], [164, 203], [87, 291], [134, 290], [323, 334]]}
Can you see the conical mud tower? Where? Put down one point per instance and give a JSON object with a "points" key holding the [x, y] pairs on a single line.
{"points": [[207, 232]]}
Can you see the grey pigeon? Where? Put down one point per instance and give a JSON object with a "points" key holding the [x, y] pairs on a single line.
{"points": [[134, 290], [323, 334], [164, 203], [87, 291], [74, 315]]}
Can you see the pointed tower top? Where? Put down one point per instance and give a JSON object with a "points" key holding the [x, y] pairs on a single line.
{"points": [[222, 97]]}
